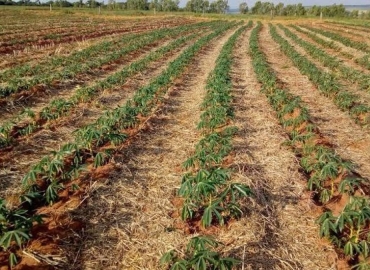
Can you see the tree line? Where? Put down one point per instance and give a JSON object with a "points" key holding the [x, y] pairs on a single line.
{"points": [[197, 6], [269, 8], [203, 6]]}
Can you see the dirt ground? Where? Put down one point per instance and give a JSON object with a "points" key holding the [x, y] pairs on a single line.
{"points": [[125, 215]]}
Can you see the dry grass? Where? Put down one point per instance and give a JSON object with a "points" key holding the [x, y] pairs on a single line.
{"points": [[346, 84], [351, 141], [354, 35], [68, 88], [42, 142], [129, 219], [280, 233], [332, 52], [354, 52], [129, 209]]}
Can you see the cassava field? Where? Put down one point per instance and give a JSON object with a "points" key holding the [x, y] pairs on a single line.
{"points": [[183, 142]]}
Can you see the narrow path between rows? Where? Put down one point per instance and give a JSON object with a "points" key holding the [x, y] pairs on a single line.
{"points": [[351, 63], [280, 233], [129, 217], [31, 149], [346, 84], [351, 141]]}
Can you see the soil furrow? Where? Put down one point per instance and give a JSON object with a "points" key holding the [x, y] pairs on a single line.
{"points": [[66, 48], [138, 197], [351, 34], [352, 51], [345, 83], [351, 141], [332, 52], [31, 149], [66, 89], [282, 233]]}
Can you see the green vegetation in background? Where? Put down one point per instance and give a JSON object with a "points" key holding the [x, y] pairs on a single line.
{"points": [[202, 7]]}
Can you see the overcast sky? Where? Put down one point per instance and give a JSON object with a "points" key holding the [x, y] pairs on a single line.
{"points": [[235, 3]]}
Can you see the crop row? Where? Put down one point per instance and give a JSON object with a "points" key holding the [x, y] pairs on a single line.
{"points": [[63, 23], [351, 26], [21, 44], [58, 28], [75, 66], [206, 189], [325, 43], [363, 61], [330, 177], [325, 82], [350, 74], [360, 24], [64, 33], [94, 144], [90, 53], [63, 61], [362, 46], [57, 108], [14, 22]]}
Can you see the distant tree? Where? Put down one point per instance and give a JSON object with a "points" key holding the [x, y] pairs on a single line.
{"points": [[206, 5], [221, 6], [314, 10], [164, 5], [196, 6], [62, 3], [262, 8], [7, 2], [338, 10], [267, 7], [279, 9], [91, 3], [243, 8], [257, 8], [154, 4], [300, 10], [137, 4], [354, 13], [111, 4]]}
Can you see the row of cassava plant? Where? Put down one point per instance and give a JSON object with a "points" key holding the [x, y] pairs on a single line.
{"points": [[94, 144], [342, 31], [364, 61], [67, 24], [329, 176], [330, 44], [346, 72], [74, 67], [362, 46], [18, 45], [351, 26], [64, 35], [88, 54], [57, 108], [359, 25], [326, 82], [209, 195]]}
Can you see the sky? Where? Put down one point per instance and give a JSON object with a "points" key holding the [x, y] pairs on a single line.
{"points": [[235, 3]]}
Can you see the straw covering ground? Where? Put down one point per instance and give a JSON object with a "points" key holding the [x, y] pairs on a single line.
{"points": [[173, 142]]}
